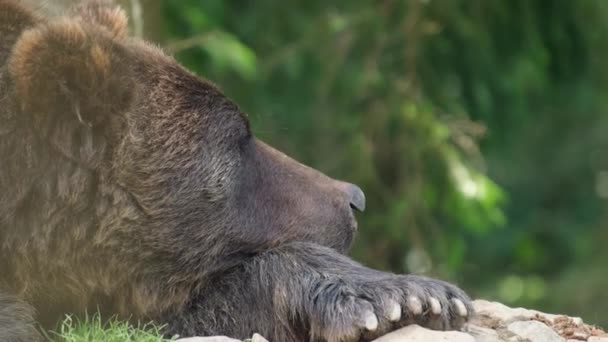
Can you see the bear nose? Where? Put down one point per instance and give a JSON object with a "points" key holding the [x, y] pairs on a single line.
{"points": [[356, 196]]}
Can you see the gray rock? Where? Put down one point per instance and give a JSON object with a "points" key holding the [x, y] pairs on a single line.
{"points": [[507, 315], [598, 339], [208, 339], [482, 334], [258, 338], [416, 333], [254, 338], [534, 331]]}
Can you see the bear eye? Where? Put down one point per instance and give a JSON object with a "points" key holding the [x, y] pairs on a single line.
{"points": [[245, 138], [246, 135]]}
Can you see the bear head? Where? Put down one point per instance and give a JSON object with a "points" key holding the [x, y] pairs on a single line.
{"points": [[165, 159]]}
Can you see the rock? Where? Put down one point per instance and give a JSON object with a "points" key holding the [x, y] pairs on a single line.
{"points": [[416, 333], [507, 315], [493, 322], [258, 338], [598, 339], [534, 331], [208, 339], [499, 318], [482, 334], [254, 338]]}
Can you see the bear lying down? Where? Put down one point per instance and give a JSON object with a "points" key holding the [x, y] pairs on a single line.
{"points": [[129, 185]]}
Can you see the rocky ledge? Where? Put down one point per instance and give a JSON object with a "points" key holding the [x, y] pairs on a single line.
{"points": [[493, 322]]}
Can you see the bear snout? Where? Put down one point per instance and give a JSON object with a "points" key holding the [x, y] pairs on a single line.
{"points": [[356, 197]]}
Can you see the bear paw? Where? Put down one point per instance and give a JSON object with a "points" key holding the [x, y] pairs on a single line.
{"points": [[344, 311]]}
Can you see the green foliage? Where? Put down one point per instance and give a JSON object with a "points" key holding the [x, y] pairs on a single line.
{"points": [[94, 329], [476, 128]]}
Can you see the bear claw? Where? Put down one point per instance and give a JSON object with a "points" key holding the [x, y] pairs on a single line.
{"points": [[395, 312], [461, 309], [435, 306], [370, 321], [414, 305]]}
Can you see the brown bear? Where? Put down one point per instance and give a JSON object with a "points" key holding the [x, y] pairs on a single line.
{"points": [[130, 186]]}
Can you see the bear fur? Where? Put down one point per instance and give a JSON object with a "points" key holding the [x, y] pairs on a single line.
{"points": [[130, 186]]}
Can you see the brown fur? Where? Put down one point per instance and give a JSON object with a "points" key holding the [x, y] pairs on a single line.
{"points": [[131, 186], [105, 14], [86, 76], [13, 20], [16, 320]]}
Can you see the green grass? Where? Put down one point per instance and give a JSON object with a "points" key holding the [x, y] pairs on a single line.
{"points": [[93, 329]]}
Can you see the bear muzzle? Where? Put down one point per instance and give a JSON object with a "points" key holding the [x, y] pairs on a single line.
{"points": [[356, 197]]}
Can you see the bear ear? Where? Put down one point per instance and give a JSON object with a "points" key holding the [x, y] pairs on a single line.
{"points": [[67, 67], [104, 13], [14, 19]]}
